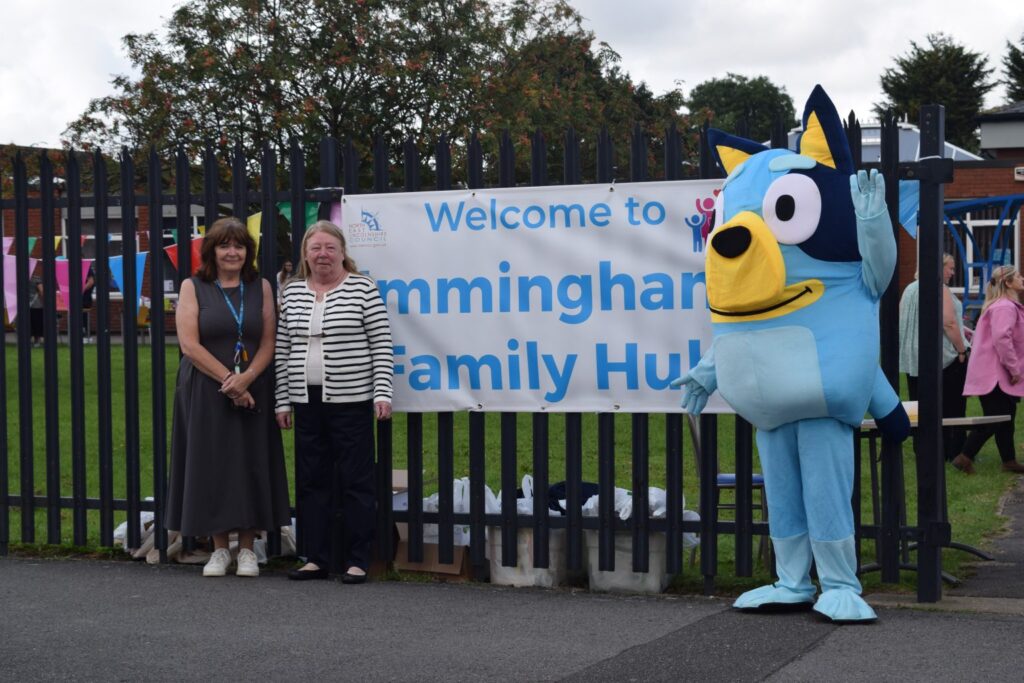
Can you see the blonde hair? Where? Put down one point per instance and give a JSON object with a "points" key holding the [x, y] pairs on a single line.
{"points": [[335, 232], [997, 285], [946, 258]]}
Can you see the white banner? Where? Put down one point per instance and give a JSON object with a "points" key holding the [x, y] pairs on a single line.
{"points": [[569, 298]]}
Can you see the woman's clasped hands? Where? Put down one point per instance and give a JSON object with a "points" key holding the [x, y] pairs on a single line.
{"points": [[236, 387]]}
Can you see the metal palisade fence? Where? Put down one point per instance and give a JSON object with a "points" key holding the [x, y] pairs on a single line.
{"points": [[339, 168]]}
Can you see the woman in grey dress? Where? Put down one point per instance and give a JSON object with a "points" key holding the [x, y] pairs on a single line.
{"points": [[227, 460]]}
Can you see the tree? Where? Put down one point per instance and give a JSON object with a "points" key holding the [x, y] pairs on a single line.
{"points": [[739, 104], [943, 72], [251, 71], [1013, 68]]}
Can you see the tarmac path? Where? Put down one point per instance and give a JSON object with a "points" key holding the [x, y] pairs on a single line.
{"points": [[111, 620]]}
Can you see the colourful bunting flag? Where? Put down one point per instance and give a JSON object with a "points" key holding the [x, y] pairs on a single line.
{"points": [[64, 280], [11, 283], [116, 266]]}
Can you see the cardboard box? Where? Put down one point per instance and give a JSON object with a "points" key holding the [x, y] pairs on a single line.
{"points": [[460, 568], [624, 579]]}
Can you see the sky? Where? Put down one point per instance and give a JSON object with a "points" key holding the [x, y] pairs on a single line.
{"points": [[59, 54]]}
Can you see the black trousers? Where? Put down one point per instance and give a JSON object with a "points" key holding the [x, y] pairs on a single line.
{"points": [[995, 403], [954, 404], [334, 469]]}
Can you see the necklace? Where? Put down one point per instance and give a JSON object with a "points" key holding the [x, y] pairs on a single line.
{"points": [[239, 316], [323, 289]]}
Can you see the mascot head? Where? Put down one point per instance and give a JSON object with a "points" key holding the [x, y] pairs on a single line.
{"points": [[777, 208]]}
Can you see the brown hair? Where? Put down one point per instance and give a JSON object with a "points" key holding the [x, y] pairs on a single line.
{"points": [[335, 232], [225, 230]]}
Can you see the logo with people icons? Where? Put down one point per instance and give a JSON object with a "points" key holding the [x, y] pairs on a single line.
{"points": [[700, 222], [367, 231]]}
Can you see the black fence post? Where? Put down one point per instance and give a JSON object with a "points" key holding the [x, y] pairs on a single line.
{"points": [[445, 420], [182, 217], [931, 480], [506, 160], [157, 352], [268, 262], [74, 296], [889, 536], [104, 401], [268, 215], [538, 159], [25, 426], [638, 155], [351, 166], [606, 491], [673, 153], [744, 445], [571, 175], [509, 509], [443, 161], [129, 335], [475, 163], [297, 185], [708, 441], [605, 157], [53, 426], [239, 189], [211, 209]]}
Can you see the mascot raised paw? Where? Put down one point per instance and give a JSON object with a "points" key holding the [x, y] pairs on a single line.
{"points": [[801, 251]]}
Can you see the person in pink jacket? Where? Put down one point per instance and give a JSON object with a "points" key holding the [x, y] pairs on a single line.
{"points": [[996, 367]]}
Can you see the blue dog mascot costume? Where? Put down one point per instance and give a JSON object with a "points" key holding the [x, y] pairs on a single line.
{"points": [[801, 251]]}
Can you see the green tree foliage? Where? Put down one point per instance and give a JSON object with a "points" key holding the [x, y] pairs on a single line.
{"points": [[251, 71], [942, 72], [738, 104], [1013, 69]]}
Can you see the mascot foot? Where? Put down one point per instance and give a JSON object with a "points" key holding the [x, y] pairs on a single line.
{"points": [[840, 599], [775, 598], [794, 590], [843, 606]]}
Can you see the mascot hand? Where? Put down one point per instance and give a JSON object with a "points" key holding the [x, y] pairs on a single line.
{"points": [[695, 396], [868, 194], [895, 426]]}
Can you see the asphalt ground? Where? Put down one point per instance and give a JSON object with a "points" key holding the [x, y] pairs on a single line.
{"points": [[114, 620]]}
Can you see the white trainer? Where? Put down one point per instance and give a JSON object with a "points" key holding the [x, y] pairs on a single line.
{"points": [[247, 564], [218, 563]]}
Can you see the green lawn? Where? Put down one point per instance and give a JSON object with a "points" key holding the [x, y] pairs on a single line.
{"points": [[972, 500]]}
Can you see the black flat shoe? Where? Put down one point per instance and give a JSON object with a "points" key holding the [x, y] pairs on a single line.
{"points": [[353, 578], [307, 574]]}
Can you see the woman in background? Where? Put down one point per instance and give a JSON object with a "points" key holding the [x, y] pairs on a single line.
{"points": [[955, 349], [996, 368]]}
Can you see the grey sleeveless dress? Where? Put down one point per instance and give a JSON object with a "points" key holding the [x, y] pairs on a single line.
{"points": [[227, 465]]}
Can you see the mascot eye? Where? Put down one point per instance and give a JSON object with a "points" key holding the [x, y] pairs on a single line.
{"points": [[792, 208]]}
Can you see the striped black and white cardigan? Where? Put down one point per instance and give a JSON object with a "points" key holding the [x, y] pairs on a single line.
{"points": [[358, 359]]}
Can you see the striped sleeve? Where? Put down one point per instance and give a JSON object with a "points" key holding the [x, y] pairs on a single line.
{"points": [[378, 335], [282, 351]]}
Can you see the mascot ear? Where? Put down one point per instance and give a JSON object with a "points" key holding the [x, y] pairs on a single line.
{"points": [[730, 151], [824, 139]]}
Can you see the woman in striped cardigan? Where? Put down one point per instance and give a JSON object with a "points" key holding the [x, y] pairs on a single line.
{"points": [[335, 364]]}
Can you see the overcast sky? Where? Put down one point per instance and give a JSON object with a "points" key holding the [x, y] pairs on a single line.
{"points": [[58, 54]]}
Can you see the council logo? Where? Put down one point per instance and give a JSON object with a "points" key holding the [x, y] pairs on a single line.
{"points": [[367, 231]]}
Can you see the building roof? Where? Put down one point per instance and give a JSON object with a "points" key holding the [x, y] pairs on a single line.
{"points": [[909, 143], [1010, 112]]}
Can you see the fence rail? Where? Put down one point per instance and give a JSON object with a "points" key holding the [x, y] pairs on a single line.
{"points": [[339, 167]]}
